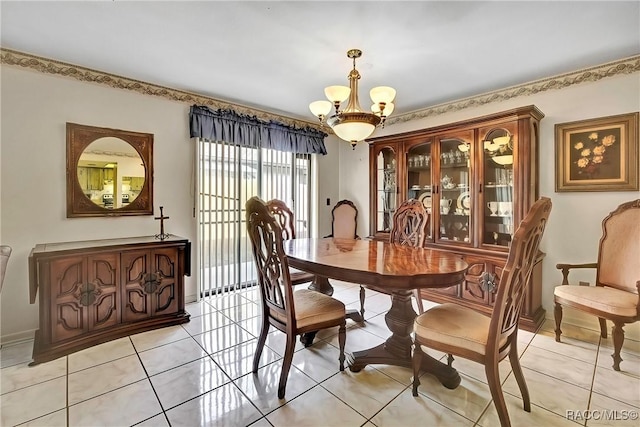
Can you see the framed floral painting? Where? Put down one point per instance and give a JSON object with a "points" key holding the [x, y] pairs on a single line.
{"points": [[598, 154]]}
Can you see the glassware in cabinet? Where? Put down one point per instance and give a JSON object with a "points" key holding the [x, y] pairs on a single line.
{"points": [[455, 202], [418, 183], [498, 178], [386, 188]]}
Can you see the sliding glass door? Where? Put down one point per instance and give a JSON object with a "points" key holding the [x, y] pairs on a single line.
{"points": [[228, 176]]}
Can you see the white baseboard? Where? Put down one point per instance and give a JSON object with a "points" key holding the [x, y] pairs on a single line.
{"points": [[17, 337]]}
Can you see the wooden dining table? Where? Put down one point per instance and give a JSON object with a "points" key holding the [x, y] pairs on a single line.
{"points": [[396, 268]]}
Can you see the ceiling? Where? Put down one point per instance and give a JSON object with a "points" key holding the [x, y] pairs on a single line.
{"points": [[278, 56]]}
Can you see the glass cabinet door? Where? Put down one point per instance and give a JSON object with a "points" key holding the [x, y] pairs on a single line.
{"points": [[386, 189], [498, 197], [419, 183], [455, 201]]}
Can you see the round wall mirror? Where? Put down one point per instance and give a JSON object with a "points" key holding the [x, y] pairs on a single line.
{"points": [[109, 172]]}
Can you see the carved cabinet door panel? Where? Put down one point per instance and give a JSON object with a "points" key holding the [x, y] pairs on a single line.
{"points": [[164, 299], [137, 283], [150, 283], [103, 310], [84, 294], [481, 280], [67, 313]]}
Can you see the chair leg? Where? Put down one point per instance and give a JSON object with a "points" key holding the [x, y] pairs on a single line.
{"points": [[264, 330], [417, 362], [557, 313], [286, 365], [603, 327], [449, 359], [362, 302], [416, 294], [618, 339], [493, 378], [517, 372], [342, 336]]}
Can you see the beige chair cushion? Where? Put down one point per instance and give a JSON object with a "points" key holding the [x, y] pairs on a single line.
{"points": [[314, 308], [454, 325], [607, 300]]}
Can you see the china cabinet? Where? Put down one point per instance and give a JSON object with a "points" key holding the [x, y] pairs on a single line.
{"points": [[477, 179], [95, 291]]}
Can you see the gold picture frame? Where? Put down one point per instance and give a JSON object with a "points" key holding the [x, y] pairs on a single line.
{"points": [[598, 154]]}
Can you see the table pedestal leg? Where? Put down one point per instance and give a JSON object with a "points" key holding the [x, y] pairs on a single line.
{"points": [[397, 349], [321, 284]]}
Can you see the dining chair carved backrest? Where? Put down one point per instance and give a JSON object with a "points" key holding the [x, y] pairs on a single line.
{"points": [[616, 294], [286, 220], [5, 253], [461, 331], [409, 227], [293, 313], [344, 220]]}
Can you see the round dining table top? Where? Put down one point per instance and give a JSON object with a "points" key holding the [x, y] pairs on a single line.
{"points": [[376, 263]]}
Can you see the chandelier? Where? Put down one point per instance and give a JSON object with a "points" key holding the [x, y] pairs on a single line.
{"points": [[353, 124]]}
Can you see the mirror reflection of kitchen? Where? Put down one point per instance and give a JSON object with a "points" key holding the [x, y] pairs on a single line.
{"points": [[110, 173]]}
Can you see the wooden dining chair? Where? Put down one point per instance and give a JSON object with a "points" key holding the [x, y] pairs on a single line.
{"points": [[293, 313], [409, 227], [461, 331], [344, 220], [285, 218], [616, 294]]}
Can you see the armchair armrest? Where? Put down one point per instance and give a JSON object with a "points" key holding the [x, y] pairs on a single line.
{"points": [[566, 267]]}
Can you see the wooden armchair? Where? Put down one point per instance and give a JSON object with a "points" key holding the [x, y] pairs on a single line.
{"points": [[410, 223], [293, 313], [616, 294], [458, 330], [285, 219]]}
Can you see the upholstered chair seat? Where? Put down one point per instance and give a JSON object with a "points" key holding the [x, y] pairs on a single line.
{"points": [[452, 324], [313, 307], [601, 299]]}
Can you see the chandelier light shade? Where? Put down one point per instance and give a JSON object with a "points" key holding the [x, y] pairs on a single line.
{"points": [[352, 123]]}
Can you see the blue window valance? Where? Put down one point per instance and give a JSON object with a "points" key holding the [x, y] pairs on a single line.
{"points": [[249, 131]]}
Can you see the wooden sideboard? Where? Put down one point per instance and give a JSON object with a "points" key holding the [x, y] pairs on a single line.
{"points": [[477, 179], [95, 291]]}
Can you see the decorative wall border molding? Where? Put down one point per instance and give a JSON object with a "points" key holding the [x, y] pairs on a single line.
{"points": [[610, 69], [49, 66]]}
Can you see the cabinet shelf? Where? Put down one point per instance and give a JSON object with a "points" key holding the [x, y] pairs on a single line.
{"points": [[498, 186]]}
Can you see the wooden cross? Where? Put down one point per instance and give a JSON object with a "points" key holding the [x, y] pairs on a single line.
{"points": [[162, 235]]}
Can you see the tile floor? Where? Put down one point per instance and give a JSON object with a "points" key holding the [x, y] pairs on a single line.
{"points": [[199, 373]]}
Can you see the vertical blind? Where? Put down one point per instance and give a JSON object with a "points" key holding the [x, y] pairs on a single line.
{"points": [[229, 175]]}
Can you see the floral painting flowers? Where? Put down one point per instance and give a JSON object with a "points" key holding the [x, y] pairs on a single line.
{"points": [[592, 153], [598, 154]]}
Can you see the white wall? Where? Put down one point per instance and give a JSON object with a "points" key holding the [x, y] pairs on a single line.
{"points": [[574, 227]]}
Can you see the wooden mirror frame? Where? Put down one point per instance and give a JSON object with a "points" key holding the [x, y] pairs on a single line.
{"points": [[78, 138]]}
